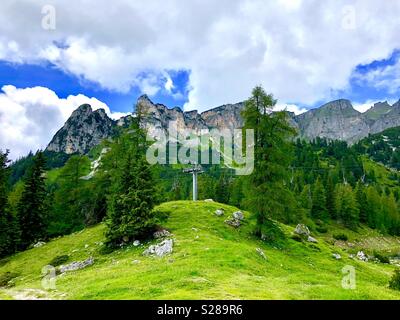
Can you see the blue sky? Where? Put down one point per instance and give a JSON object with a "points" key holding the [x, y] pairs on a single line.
{"points": [[64, 84]]}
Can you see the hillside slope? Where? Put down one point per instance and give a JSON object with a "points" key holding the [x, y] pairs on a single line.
{"points": [[211, 260]]}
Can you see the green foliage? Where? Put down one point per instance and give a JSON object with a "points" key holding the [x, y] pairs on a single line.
{"points": [[341, 236], [59, 260], [131, 206], [318, 208], [346, 206], [6, 278], [31, 209], [381, 257], [395, 281], [8, 225], [268, 196]]}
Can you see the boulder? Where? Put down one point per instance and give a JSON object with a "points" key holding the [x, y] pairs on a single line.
{"points": [[302, 229], [238, 215], [39, 244], [77, 265], [219, 212], [160, 249], [209, 200], [337, 256], [233, 222], [136, 243], [161, 234], [311, 239], [362, 256], [261, 253]]}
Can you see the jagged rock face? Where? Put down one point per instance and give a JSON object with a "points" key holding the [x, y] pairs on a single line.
{"points": [[387, 120], [336, 120], [82, 131]]}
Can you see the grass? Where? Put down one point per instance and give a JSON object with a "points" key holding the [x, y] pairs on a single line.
{"points": [[210, 261]]}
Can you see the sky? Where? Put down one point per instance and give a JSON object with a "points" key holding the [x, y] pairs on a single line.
{"points": [[195, 54]]}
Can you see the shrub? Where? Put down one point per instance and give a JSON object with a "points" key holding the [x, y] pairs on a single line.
{"points": [[340, 236], [5, 279], [297, 238], [382, 258], [322, 229], [395, 281], [59, 260]]}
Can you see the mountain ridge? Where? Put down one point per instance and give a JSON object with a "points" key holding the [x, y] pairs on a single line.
{"points": [[334, 120]]}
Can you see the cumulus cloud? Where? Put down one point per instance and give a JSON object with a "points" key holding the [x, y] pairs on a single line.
{"points": [[290, 107], [301, 51], [30, 117]]}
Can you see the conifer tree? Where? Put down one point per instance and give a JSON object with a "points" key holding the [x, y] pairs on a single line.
{"points": [[8, 226], [330, 196], [347, 206], [268, 195], [318, 209], [362, 202], [131, 206], [222, 189], [31, 209]]}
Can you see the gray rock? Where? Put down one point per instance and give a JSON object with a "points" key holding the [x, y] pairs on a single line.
{"points": [[302, 229], [311, 239], [261, 253], [39, 244], [233, 222], [238, 215], [161, 234], [219, 212], [209, 200], [362, 256], [161, 249], [77, 265], [337, 256], [136, 243]]}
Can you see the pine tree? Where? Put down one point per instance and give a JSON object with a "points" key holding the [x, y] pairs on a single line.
{"points": [[131, 212], [318, 209], [268, 196], [305, 199], [222, 189], [347, 206], [362, 202], [31, 209], [8, 226], [330, 196]]}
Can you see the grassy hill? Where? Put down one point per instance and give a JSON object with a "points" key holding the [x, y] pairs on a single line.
{"points": [[211, 260]]}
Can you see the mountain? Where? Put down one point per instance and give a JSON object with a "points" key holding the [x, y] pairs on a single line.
{"points": [[83, 130], [336, 120]]}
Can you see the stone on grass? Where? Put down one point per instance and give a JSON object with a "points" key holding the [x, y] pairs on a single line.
{"points": [[160, 249], [219, 212], [77, 265], [238, 215], [233, 223], [362, 256], [311, 239], [337, 256], [39, 244], [302, 229], [161, 234], [209, 200], [136, 243], [261, 253]]}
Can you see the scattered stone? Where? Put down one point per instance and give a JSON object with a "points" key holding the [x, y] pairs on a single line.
{"points": [[209, 200], [351, 256], [238, 215], [311, 239], [337, 256], [219, 212], [160, 249], [136, 243], [197, 237], [233, 222], [136, 261], [77, 265], [39, 244], [362, 256], [195, 229], [86, 246], [161, 234], [261, 253], [302, 229]]}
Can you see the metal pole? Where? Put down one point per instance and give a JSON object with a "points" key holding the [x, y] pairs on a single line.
{"points": [[194, 185]]}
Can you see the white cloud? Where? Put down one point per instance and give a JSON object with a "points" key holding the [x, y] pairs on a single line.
{"points": [[299, 50], [290, 107], [30, 117]]}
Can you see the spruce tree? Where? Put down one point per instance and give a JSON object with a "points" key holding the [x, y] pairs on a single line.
{"points": [[222, 189], [330, 196], [318, 209], [347, 206], [8, 226], [131, 212], [362, 202], [268, 195], [31, 209]]}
